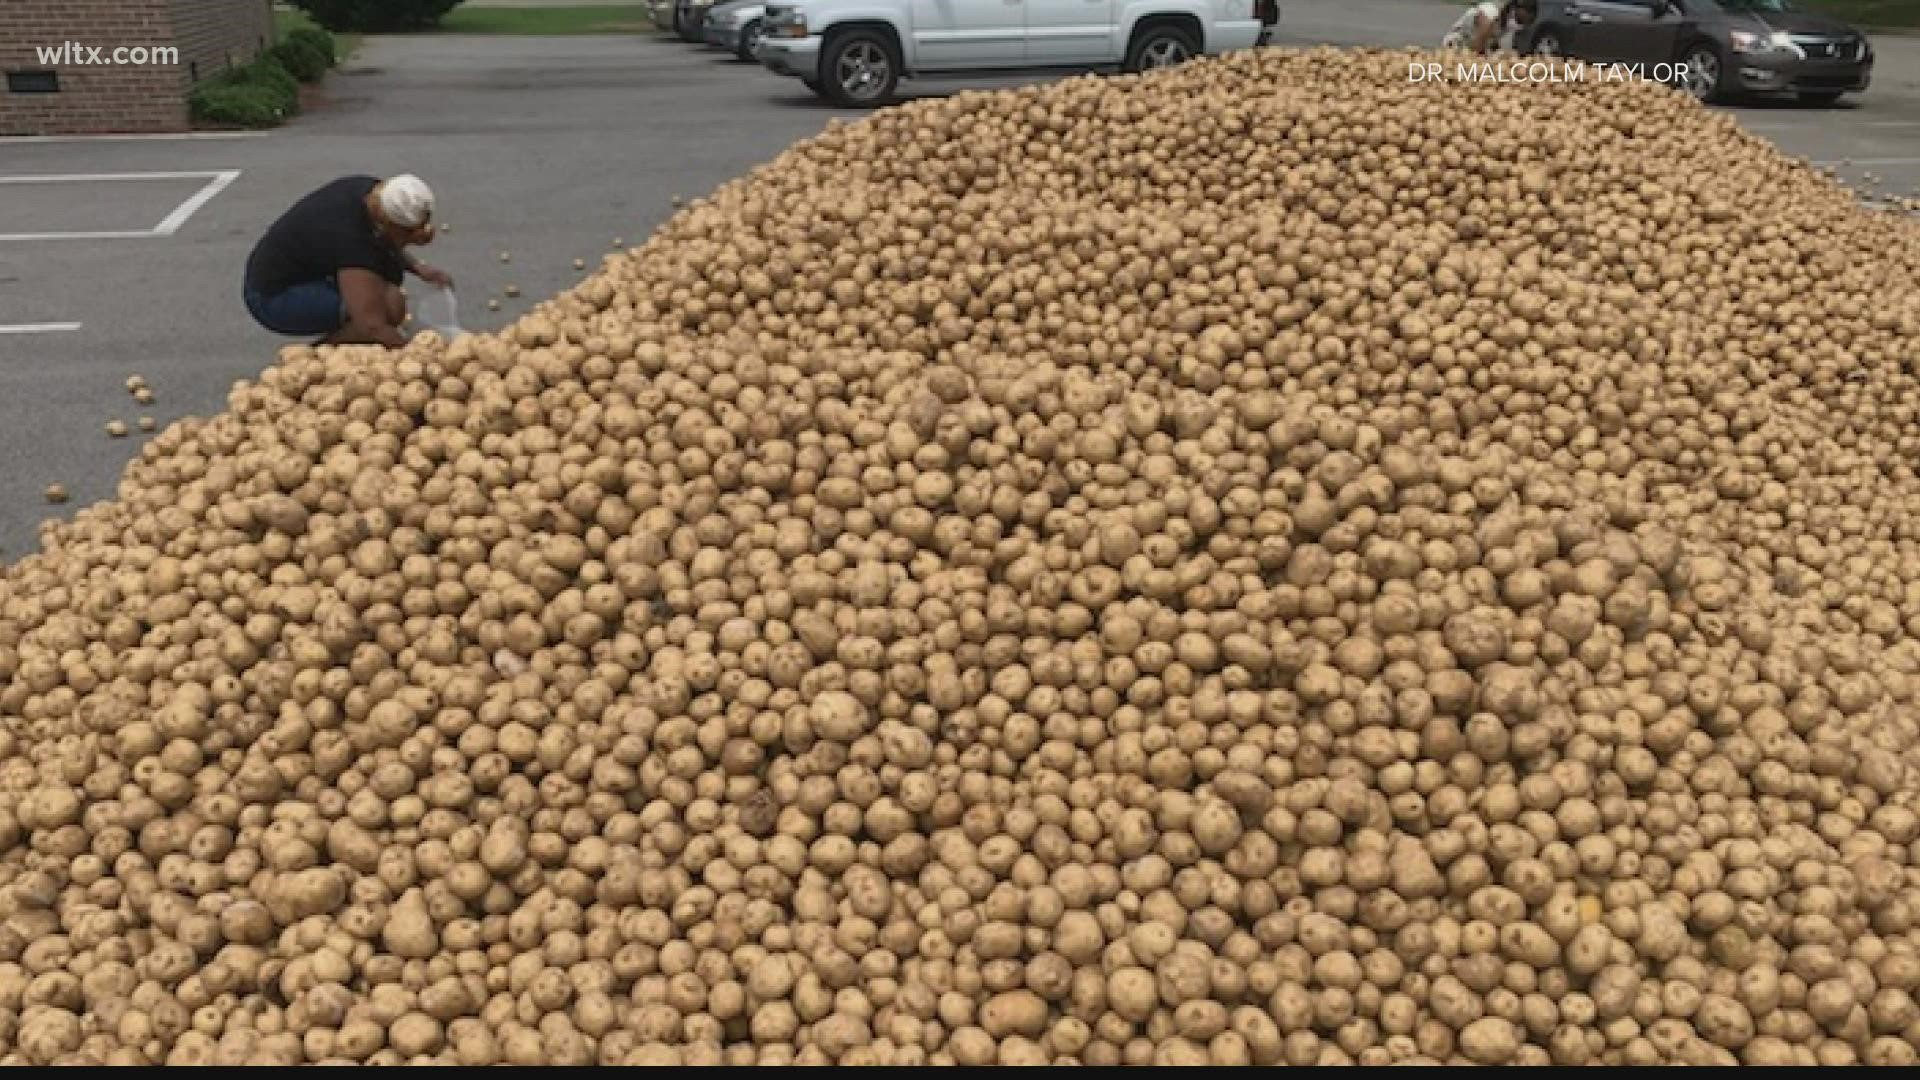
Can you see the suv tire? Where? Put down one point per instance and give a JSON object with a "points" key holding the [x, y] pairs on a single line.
{"points": [[858, 69], [750, 35], [1162, 45]]}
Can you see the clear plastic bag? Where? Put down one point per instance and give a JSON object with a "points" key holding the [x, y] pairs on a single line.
{"points": [[436, 310]]}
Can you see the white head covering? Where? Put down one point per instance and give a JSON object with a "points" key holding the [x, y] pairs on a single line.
{"points": [[406, 201]]}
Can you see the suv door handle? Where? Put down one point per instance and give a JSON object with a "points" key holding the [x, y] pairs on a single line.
{"points": [[1589, 17]]}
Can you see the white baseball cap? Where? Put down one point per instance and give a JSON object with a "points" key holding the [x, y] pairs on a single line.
{"points": [[406, 200]]}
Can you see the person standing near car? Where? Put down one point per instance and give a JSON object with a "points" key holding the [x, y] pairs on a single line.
{"points": [[1487, 26], [333, 264]]}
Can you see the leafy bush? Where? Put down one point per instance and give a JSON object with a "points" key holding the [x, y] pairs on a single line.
{"points": [[269, 71], [223, 104], [317, 40], [375, 16], [260, 94], [300, 59]]}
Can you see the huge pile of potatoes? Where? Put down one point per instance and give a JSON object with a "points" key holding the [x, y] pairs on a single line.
{"points": [[1261, 563]]}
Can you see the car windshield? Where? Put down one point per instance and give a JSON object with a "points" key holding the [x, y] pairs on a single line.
{"points": [[1757, 5]]}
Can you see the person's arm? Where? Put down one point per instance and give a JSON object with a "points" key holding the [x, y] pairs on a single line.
{"points": [[365, 294], [1485, 30], [432, 275]]}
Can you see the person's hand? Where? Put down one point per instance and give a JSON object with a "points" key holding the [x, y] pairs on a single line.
{"points": [[433, 275]]}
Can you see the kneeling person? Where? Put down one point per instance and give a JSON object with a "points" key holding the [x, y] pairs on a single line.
{"points": [[333, 264]]}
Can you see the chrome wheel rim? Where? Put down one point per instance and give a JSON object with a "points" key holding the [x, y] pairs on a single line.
{"points": [[1164, 53], [863, 70], [1548, 46], [751, 39], [1703, 74]]}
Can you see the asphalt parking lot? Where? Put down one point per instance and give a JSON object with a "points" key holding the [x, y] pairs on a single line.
{"points": [[123, 256]]}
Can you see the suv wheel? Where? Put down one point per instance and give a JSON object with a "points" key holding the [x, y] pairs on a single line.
{"points": [[857, 69], [1706, 72], [1159, 47], [750, 36]]}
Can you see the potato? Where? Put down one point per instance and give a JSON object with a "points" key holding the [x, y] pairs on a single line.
{"points": [[1014, 1012], [409, 931]]}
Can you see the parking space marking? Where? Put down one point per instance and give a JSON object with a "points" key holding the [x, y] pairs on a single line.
{"points": [[38, 327], [16, 140], [172, 222], [217, 181]]}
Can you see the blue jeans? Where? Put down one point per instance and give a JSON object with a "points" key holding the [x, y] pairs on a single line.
{"points": [[311, 307]]}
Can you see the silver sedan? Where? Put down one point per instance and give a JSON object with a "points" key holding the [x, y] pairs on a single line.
{"points": [[737, 26]]}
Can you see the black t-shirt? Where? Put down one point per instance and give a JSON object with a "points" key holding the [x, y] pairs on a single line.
{"points": [[321, 235]]}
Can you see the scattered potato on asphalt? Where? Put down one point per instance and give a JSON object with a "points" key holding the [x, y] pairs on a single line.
{"points": [[56, 493], [1262, 563], [493, 304], [117, 428], [511, 291], [147, 423]]}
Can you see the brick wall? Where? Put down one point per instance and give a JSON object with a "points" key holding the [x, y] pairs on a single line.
{"points": [[210, 34], [215, 34]]}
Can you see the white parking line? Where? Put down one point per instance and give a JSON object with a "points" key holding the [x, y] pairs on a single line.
{"points": [[38, 327], [217, 182], [16, 140], [76, 178], [137, 234], [172, 222]]}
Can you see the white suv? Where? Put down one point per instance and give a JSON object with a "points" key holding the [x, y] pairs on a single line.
{"points": [[855, 52]]}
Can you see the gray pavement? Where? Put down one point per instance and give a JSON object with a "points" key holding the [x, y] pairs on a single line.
{"points": [[547, 148]]}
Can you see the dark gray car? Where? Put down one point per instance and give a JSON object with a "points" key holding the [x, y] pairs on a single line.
{"points": [[1726, 47]]}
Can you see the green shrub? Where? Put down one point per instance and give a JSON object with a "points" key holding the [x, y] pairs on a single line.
{"points": [[260, 94], [375, 16], [268, 71], [317, 40], [300, 59], [232, 104]]}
